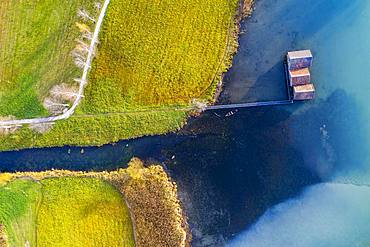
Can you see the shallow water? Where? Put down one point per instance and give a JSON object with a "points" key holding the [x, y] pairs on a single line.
{"points": [[332, 133], [233, 171], [324, 215]]}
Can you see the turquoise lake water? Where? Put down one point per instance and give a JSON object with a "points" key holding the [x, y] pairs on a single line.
{"points": [[332, 133], [296, 175]]}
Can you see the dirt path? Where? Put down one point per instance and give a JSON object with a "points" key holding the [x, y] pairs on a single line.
{"points": [[83, 82]]}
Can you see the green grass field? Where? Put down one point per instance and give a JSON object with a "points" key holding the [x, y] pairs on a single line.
{"points": [[64, 211], [18, 211], [36, 40], [154, 55]]}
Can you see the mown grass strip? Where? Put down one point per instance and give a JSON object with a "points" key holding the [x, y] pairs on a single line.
{"points": [[97, 130]]}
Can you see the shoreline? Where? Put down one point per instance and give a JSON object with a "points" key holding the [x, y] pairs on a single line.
{"points": [[243, 12]]}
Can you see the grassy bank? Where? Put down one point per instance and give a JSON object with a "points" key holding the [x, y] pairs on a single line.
{"points": [[64, 212], [95, 130], [63, 208], [152, 55]]}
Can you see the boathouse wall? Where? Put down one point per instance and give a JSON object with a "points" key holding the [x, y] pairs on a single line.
{"points": [[299, 59]]}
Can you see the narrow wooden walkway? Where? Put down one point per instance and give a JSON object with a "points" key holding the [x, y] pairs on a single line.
{"points": [[287, 101], [252, 104]]}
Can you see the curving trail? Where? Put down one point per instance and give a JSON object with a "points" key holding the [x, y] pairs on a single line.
{"points": [[83, 82]]}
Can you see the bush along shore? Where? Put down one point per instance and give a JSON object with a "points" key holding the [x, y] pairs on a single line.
{"points": [[137, 206], [144, 81]]}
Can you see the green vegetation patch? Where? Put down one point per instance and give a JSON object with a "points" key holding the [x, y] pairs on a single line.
{"points": [[18, 211], [82, 212], [36, 41], [161, 52], [65, 211]]}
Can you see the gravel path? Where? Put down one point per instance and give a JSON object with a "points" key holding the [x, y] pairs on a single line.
{"points": [[83, 82]]}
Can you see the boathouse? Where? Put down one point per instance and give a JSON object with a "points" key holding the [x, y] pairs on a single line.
{"points": [[299, 59], [299, 77], [304, 92], [297, 66]]}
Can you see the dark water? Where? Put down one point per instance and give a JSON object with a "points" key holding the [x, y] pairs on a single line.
{"points": [[331, 134], [230, 170]]}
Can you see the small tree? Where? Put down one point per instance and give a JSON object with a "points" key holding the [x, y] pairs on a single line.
{"points": [[87, 36], [55, 107], [41, 128], [81, 47], [97, 6], [3, 237], [199, 105], [84, 15], [8, 129], [79, 62], [83, 28], [64, 92]]}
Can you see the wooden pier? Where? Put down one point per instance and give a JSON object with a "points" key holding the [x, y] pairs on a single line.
{"points": [[303, 60], [252, 104]]}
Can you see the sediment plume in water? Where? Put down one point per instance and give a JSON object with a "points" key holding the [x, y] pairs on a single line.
{"points": [[326, 214]]}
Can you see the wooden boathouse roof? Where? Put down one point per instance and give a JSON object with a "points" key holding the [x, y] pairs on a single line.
{"points": [[300, 72], [299, 54], [304, 88]]}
